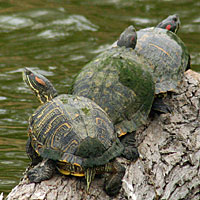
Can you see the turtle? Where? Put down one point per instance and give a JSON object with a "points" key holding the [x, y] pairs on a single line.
{"points": [[168, 56], [71, 134], [119, 81]]}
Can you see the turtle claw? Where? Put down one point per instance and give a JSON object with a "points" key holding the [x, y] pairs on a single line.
{"points": [[33, 176], [42, 171]]}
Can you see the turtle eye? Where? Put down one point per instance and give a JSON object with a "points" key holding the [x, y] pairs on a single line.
{"points": [[31, 75]]}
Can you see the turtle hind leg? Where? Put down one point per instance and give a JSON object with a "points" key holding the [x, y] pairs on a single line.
{"points": [[160, 107], [42, 171], [130, 150], [113, 182]]}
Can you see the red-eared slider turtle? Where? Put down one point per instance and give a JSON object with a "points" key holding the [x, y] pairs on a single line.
{"points": [[166, 53], [118, 81], [72, 134]]}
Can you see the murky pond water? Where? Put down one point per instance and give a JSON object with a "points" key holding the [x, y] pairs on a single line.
{"points": [[57, 38]]}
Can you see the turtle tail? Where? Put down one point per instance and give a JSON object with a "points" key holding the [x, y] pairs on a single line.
{"points": [[89, 176]]}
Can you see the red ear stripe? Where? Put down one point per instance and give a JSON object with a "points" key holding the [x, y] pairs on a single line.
{"points": [[168, 27], [40, 81]]}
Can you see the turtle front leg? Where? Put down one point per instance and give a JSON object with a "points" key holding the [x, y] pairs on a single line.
{"points": [[35, 158], [130, 150], [113, 182], [42, 171]]}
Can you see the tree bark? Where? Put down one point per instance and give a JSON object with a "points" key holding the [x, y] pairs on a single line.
{"points": [[169, 163]]}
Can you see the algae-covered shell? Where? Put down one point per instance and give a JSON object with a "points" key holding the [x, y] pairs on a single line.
{"points": [[119, 81], [168, 55]]}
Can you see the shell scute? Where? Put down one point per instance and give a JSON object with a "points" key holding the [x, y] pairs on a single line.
{"points": [[59, 135]]}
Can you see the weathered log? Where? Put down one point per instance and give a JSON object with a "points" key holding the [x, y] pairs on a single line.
{"points": [[169, 163]]}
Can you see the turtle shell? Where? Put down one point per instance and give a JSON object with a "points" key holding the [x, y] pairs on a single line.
{"points": [[168, 55], [75, 132], [118, 81]]}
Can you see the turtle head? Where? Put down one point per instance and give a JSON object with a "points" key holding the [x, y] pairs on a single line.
{"points": [[128, 38], [171, 23], [40, 85]]}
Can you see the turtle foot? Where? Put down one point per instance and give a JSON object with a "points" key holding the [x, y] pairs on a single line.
{"points": [[160, 106], [113, 183], [42, 171], [130, 153], [130, 150]]}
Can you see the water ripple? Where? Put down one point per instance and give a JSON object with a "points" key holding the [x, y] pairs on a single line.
{"points": [[51, 34], [2, 98], [138, 20], [78, 22], [14, 22]]}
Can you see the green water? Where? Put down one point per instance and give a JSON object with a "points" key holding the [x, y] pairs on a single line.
{"points": [[57, 38]]}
